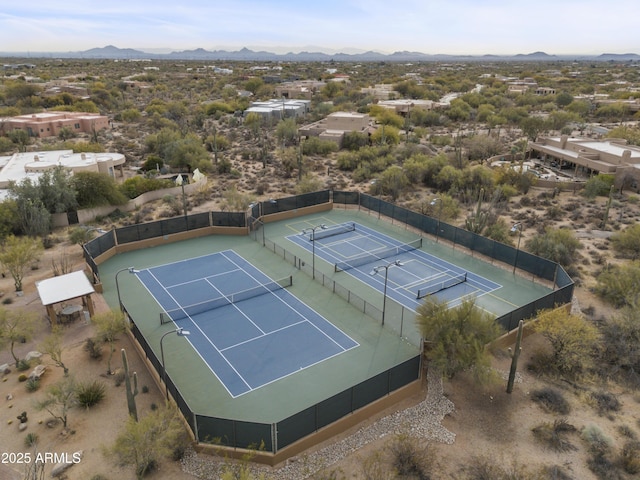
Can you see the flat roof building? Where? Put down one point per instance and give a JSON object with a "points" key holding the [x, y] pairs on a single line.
{"points": [[611, 156], [19, 166], [49, 124]]}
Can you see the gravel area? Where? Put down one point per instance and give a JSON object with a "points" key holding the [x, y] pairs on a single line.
{"points": [[422, 421]]}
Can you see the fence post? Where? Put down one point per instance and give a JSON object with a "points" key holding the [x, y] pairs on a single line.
{"points": [[274, 437]]}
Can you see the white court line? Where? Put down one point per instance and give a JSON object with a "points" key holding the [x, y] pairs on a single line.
{"points": [[300, 313], [204, 335]]}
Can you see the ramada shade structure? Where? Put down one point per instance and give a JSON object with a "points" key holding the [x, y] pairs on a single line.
{"points": [[64, 288]]}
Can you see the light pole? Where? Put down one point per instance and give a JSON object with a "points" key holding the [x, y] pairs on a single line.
{"points": [[130, 270], [181, 333], [518, 227], [375, 271], [433, 202], [313, 245]]}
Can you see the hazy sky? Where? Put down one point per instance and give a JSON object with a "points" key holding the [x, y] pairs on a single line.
{"points": [[473, 27]]}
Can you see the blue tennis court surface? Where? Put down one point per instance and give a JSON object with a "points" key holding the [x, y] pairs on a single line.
{"points": [[248, 329], [357, 250]]}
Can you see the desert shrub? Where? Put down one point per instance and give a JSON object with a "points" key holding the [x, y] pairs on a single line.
{"points": [[605, 402], [410, 458], [7, 301], [22, 377], [90, 393], [224, 166], [30, 440], [118, 378], [32, 384], [98, 476], [597, 442], [333, 475], [135, 186], [552, 400], [603, 468], [627, 431], [374, 467], [145, 389], [630, 457], [93, 347], [23, 366], [555, 472], [487, 468], [553, 435], [316, 146]]}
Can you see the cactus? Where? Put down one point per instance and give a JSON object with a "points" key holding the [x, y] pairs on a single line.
{"points": [[131, 394], [514, 358], [477, 222]]}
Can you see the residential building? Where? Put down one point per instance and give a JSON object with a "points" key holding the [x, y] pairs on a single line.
{"points": [[404, 106], [335, 125], [19, 166], [277, 109], [49, 124], [303, 89], [590, 156], [381, 91]]}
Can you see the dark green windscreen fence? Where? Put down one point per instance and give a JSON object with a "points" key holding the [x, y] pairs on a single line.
{"points": [[242, 434]]}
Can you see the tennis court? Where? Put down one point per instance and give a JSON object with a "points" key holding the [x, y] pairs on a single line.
{"points": [[247, 328], [408, 273]]}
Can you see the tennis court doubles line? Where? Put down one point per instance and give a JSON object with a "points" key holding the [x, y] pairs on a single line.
{"points": [[358, 249], [248, 329]]}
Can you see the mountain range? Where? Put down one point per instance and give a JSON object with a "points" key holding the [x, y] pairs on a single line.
{"points": [[245, 54]]}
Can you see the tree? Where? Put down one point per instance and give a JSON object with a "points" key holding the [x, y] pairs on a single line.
{"points": [[253, 121], [59, 399], [556, 244], [563, 99], [392, 181], [386, 135], [308, 183], [627, 242], [455, 338], [20, 138], [16, 326], [287, 131], [620, 354], [56, 190], [94, 189], [17, 254], [52, 346], [9, 221], [66, 133], [532, 126], [109, 326], [143, 443], [620, 284], [574, 340]]}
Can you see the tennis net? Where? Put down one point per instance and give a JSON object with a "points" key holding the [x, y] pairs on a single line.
{"points": [[439, 286], [329, 231], [370, 257], [196, 308]]}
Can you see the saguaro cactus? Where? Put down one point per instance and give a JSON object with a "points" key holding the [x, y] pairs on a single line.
{"points": [[131, 394], [477, 222], [514, 358]]}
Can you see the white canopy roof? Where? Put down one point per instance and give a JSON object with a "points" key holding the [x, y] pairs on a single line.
{"points": [[63, 288]]}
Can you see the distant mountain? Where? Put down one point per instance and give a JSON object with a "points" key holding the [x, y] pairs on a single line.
{"points": [[245, 54], [541, 56], [616, 57]]}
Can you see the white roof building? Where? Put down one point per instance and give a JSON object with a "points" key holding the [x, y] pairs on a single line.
{"points": [[19, 166]]}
